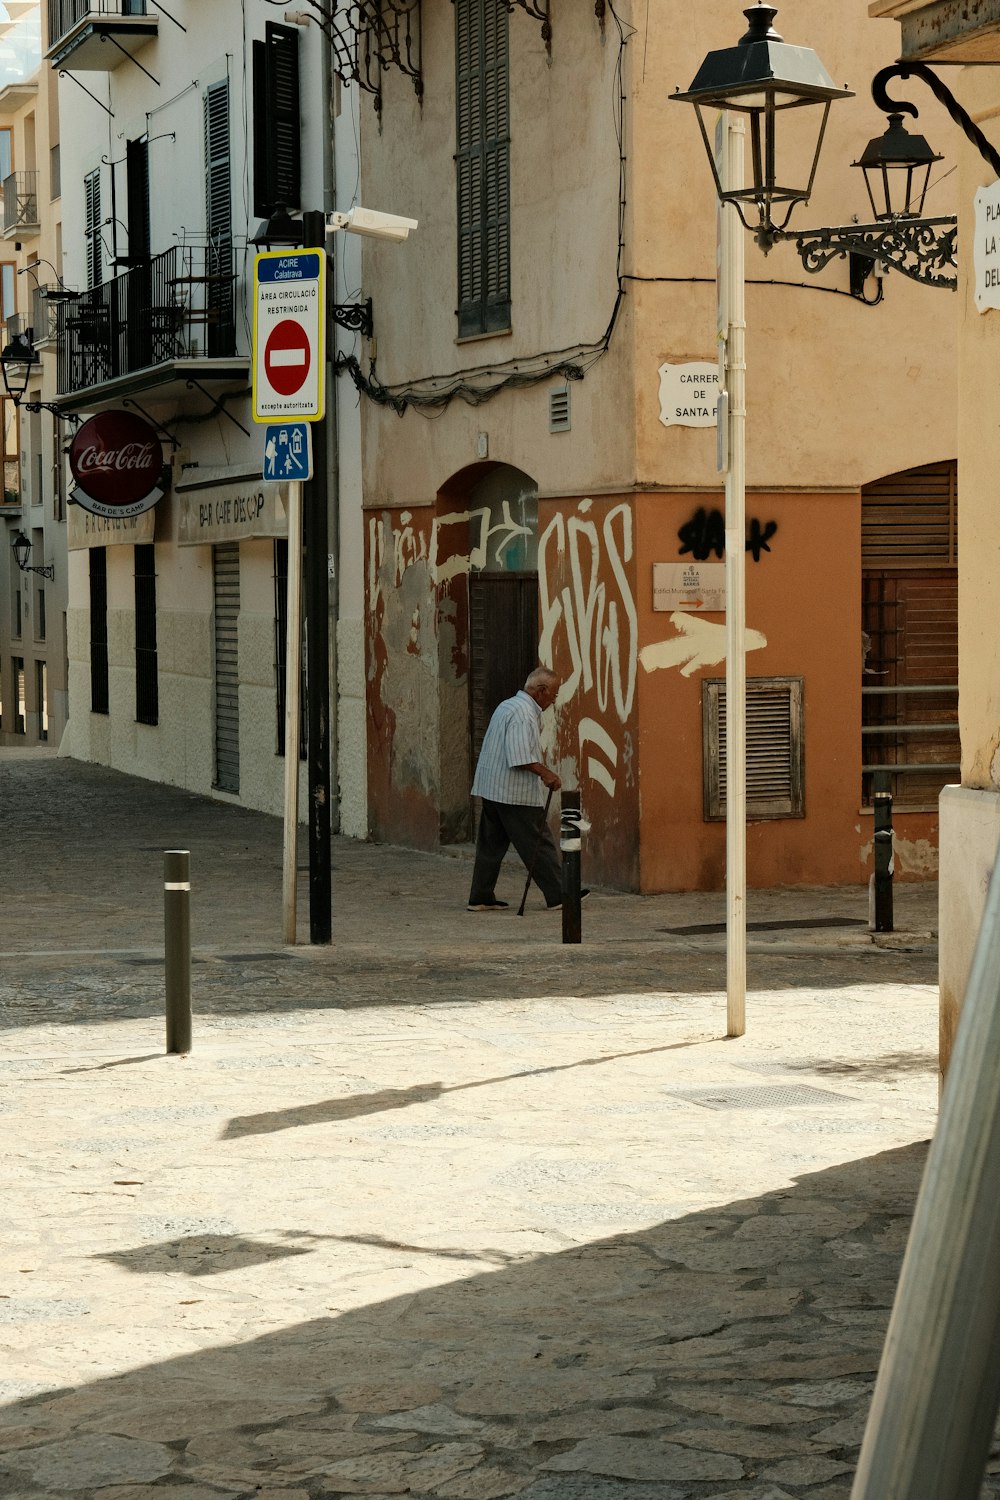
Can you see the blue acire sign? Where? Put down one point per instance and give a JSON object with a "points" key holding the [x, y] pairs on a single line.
{"points": [[288, 451]]}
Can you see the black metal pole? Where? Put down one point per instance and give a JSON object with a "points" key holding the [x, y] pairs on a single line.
{"points": [[570, 843], [316, 576], [177, 947], [882, 800]]}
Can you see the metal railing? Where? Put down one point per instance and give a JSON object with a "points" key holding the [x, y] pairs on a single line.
{"points": [[180, 305], [20, 201], [916, 779], [65, 14], [44, 314]]}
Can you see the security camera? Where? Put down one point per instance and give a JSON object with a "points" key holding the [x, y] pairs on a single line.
{"points": [[369, 221]]}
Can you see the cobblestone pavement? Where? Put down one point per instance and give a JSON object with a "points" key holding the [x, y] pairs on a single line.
{"points": [[446, 1209]]}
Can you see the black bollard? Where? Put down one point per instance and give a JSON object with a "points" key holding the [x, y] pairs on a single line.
{"points": [[570, 843], [177, 947], [882, 801]]}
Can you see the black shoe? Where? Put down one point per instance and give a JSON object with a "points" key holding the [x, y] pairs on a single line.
{"points": [[487, 906], [557, 905]]}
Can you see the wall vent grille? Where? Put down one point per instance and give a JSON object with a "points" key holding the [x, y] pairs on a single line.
{"points": [[559, 410]]}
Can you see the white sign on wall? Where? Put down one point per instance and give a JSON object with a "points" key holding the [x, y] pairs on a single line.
{"points": [[986, 253], [689, 394], [695, 587]]}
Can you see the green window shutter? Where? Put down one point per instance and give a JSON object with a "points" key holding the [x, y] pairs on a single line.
{"points": [[218, 220], [92, 230], [276, 123], [137, 183], [482, 161]]}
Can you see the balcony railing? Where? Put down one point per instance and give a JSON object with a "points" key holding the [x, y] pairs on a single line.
{"points": [[44, 314], [65, 14], [179, 306], [20, 201]]}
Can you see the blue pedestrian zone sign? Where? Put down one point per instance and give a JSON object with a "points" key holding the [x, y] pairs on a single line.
{"points": [[288, 451]]}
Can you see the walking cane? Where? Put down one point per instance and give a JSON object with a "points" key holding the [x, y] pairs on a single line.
{"points": [[538, 845]]}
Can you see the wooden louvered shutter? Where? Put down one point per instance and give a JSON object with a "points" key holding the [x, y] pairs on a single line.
{"points": [[482, 160], [218, 220], [92, 223], [137, 183], [775, 742], [909, 676], [276, 123]]}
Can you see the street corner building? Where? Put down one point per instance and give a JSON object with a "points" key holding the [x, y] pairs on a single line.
{"points": [[540, 460]]}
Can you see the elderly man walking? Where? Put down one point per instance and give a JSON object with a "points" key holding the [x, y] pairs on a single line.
{"points": [[511, 779]]}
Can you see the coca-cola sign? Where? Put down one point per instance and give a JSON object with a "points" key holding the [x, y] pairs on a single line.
{"points": [[117, 462]]}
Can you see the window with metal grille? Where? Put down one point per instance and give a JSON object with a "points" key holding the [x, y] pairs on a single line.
{"points": [[280, 659], [92, 226], [775, 743], [482, 163], [20, 707], [99, 630], [277, 129], [147, 698], [909, 644], [218, 220]]}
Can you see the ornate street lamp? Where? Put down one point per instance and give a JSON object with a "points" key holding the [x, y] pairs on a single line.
{"points": [[21, 548], [767, 80], [17, 360], [897, 169]]}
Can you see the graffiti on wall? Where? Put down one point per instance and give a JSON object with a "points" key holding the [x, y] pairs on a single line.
{"points": [[589, 618], [480, 542], [705, 533], [698, 643]]}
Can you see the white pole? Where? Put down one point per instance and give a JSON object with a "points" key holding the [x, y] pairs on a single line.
{"points": [[731, 292], [293, 677], [934, 1406]]}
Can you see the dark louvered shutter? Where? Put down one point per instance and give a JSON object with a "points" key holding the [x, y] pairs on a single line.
{"points": [[482, 158], [137, 182], [92, 222], [276, 124], [218, 220]]}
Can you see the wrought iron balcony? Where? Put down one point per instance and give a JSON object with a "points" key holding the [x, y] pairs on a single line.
{"points": [[178, 307], [97, 35], [20, 203], [44, 314]]}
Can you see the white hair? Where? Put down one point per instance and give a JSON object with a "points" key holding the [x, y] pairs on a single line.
{"points": [[539, 677]]}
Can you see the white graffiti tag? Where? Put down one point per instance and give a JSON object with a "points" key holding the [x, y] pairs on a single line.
{"points": [[698, 643], [506, 531], [598, 632]]}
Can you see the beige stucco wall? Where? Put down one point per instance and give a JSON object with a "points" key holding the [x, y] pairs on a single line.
{"points": [[839, 394]]}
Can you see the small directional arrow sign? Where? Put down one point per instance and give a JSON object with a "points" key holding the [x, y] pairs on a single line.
{"points": [[288, 451]]}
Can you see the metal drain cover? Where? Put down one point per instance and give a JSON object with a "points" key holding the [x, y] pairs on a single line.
{"points": [[789, 1096]]}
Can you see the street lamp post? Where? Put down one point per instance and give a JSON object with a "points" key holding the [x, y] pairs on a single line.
{"points": [[757, 82]]}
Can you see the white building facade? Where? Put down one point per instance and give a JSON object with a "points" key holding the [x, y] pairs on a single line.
{"points": [[183, 129]]}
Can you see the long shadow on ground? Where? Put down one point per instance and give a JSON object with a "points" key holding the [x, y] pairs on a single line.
{"points": [[711, 1355]]}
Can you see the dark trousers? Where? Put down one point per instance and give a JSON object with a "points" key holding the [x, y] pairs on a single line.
{"points": [[502, 824]]}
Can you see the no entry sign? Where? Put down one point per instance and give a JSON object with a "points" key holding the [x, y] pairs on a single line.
{"points": [[289, 314]]}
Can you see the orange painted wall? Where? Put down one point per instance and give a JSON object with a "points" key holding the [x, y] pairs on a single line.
{"points": [[805, 597]]}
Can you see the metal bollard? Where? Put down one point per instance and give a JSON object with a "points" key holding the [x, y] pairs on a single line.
{"points": [[882, 879], [177, 947], [570, 843]]}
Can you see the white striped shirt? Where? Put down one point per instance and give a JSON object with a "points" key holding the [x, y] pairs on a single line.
{"points": [[511, 740]]}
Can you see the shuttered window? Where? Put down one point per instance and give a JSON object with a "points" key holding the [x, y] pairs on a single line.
{"points": [[909, 645], [910, 520], [775, 740], [98, 630], [218, 220], [137, 182], [147, 697], [92, 226], [482, 161], [276, 123]]}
